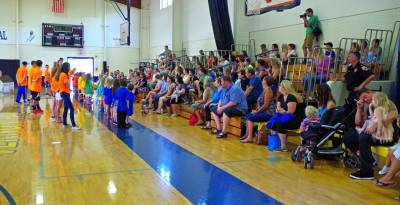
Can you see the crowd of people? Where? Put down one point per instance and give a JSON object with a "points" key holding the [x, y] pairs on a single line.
{"points": [[234, 85]]}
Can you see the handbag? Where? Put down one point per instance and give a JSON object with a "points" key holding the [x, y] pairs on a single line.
{"points": [[193, 119], [261, 137], [273, 142]]}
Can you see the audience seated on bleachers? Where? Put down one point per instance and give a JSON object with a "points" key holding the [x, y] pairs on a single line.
{"points": [[213, 102]]}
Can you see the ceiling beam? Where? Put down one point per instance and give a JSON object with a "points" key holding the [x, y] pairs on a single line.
{"points": [[135, 3]]}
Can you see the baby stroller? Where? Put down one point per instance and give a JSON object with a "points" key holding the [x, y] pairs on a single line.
{"points": [[331, 127]]}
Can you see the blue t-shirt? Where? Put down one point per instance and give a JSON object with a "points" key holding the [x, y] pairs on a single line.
{"points": [[255, 82], [330, 53], [235, 94], [217, 95], [131, 99], [121, 96], [100, 90], [108, 97]]}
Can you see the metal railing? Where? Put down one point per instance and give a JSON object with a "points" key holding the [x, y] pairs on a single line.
{"points": [[380, 63]]}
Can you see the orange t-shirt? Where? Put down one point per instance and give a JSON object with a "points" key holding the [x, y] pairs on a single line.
{"points": [[36, 74], [22, 73], [63, 83], [54, 84], [30, 77], [47, 76]]}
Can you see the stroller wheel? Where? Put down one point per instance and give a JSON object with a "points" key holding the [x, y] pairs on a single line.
{"points": [[294, 155]]}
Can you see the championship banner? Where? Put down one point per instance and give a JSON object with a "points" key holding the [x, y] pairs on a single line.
{"points": [[257, 7]]}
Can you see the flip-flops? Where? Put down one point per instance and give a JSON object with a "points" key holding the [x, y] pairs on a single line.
{"points": [[383, 184]]}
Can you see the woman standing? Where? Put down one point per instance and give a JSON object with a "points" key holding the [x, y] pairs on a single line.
{"points": [[65, 95]]}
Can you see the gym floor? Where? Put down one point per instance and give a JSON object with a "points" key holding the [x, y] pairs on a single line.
{"points": [[159, 160]]}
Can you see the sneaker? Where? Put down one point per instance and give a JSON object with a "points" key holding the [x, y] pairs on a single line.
{"points": [[362, 175], [40, 111], [35, 111], [75, 128], [174, 115], [384, 170], [53, 119]]}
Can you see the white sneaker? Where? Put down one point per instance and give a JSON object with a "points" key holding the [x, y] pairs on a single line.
{"points": [[174, 115], [385, 169], [75, 128]]}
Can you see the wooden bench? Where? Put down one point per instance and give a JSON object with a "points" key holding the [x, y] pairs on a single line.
{"points": [[234, 124]]}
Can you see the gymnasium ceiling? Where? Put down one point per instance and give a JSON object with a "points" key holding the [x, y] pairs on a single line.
{"points": [[135, 3]]}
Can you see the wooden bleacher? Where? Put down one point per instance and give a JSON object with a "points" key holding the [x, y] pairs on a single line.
{"points": [[234, 124]]}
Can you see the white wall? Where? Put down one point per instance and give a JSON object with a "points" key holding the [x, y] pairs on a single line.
{"points": [[197, 33], [91, 13], [160, 28], [339, 18]]}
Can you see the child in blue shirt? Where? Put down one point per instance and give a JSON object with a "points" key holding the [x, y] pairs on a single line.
{"points": [[108, 95], [100, 93], [121, 97]]}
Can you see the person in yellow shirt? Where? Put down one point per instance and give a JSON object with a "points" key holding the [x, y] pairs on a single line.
{"points": [[36, 86], [22, 82], [47, 80], [82, 86]]}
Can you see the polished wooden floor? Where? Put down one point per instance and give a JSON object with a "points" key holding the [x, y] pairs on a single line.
{"points": [[44, 163]]}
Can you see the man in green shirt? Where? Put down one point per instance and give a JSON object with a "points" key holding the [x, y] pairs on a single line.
{"points": [[311, 23]]}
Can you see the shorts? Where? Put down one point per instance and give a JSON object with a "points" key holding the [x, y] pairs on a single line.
{"points": [[230, 112], [46, 84], [396, 151], [308, 41], [35, 95], [58, 96]]}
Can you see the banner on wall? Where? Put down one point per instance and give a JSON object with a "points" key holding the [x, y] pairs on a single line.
{"points": [[31, 36], [257, 7], [6, 35]]}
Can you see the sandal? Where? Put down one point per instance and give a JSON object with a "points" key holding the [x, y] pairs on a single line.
{"points": [[397, 198], [383, 184], [215, 131], [243, 137], [205, 128], [221, 135], [246, 140]]}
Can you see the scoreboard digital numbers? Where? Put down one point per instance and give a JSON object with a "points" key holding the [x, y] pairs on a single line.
{"points": [[62, 35]]}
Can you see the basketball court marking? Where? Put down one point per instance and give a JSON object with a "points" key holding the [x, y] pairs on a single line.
{"points": [[206, 184]]}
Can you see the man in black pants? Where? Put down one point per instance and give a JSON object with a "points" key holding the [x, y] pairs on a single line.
{"points": [[364, 141], [357, 78]]}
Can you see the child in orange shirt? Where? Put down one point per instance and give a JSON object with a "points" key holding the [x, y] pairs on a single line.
{"points": [[47, 80], [22, 81], [36, 86]]}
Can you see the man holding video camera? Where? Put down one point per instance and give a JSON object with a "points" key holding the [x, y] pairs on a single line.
{"points": [[310, 22]]}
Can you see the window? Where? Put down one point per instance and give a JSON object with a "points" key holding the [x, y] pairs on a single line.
{"points": [[165, 3]]}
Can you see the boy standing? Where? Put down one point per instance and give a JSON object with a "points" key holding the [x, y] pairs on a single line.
{"points": [[22, 81]]}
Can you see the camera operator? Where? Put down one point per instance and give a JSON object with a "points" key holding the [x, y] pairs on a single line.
{"points": [[310, 22]]}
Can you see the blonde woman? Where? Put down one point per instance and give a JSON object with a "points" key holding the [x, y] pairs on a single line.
{"points": [[288, 105]]}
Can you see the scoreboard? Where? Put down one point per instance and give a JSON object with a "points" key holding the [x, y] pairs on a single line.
{"points": [[62, 35]]}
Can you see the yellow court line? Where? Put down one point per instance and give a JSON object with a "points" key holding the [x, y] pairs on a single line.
{"points": [[7, 152], [8, 140], [8, 145]]}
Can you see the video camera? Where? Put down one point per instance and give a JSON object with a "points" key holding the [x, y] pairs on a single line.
{"points": [[302, 16]]}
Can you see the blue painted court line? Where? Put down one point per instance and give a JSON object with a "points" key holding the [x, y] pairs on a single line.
{"points": [[8, 196], [198, 180]]}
